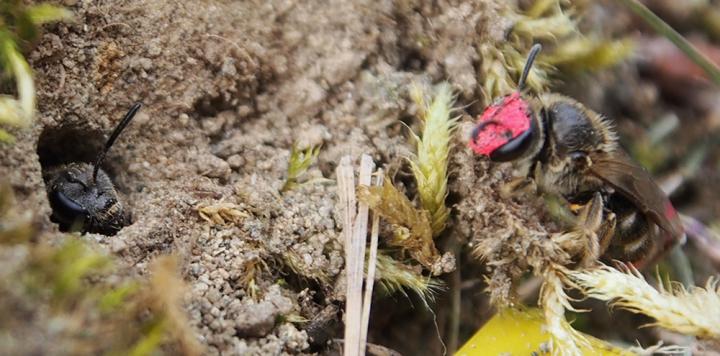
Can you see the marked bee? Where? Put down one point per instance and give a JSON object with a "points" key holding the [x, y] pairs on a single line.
{"points": [[561, 147], [82, 196]]}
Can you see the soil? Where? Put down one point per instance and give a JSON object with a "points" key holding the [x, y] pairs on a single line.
{"points": [[227, 88]]}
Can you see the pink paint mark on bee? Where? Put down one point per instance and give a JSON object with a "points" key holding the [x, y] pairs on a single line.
{"points": [[677, 232], [500, 123], [670, 211]]}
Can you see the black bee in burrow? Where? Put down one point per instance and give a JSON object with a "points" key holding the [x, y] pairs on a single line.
{"points": [[559, 146], [82, 196]]}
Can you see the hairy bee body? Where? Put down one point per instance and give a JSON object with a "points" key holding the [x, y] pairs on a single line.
{"points": [[565, 127], [81, 203], [571, 151], [569, 139]]}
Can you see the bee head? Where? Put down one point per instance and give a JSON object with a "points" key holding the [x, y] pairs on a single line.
{"points": [[82, 195], [67, 198], [506, 128]]}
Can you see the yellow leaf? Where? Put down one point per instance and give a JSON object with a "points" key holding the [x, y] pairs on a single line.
{"points": [[521, 332]]}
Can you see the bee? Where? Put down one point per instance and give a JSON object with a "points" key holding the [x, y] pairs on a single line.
{"points": [[82, 196], [559, 146]]}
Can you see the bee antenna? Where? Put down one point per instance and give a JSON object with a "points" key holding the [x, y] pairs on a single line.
{"points": [[528, 65], [118, 130]]}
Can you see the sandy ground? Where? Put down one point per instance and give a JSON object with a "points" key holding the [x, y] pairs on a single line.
{"points": [[227, 88]]}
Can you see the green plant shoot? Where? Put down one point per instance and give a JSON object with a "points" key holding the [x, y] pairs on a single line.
{"points": [[20, 23], [299, 163]]}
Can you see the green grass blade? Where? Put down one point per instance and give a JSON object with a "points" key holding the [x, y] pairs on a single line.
{"points": [[676, 38]]}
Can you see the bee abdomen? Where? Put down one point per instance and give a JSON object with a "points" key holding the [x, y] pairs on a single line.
{"points": [[634, 252], [633, 238], [630, 228]]}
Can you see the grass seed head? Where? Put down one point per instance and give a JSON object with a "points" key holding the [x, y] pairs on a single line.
{"points": [[693, 312], [430, 165], [395, 276], [554, 23], [589, 53], [64, 270], [554, 301]]}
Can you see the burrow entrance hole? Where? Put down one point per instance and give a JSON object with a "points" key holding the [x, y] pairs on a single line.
{"points": [[70, 143]]}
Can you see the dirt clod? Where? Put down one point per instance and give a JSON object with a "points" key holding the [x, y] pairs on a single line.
{"points": [[257, 320]]}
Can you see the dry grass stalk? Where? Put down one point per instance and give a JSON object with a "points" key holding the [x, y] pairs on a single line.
{"points": [[353, 302], [413, 232], [356, 263], [547, 21], [371, 267], [430, 165], [693, 312], [165, 297]]}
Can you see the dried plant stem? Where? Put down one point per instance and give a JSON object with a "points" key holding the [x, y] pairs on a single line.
{"points": [[707, 241], [455, 303], [677, 39], [346, 195], [166, 298], [355, 231], [372, 264]]}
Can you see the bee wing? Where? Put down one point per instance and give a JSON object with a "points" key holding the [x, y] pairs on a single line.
{"points": [[636, 184]]}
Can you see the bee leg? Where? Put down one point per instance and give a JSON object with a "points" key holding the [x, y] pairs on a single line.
{"points": [[590, 222], [517, 187], [582, 241], [607, 231]]}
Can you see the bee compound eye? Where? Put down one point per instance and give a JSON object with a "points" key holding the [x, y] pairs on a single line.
{"points": [[65, 208], [514, 148]]}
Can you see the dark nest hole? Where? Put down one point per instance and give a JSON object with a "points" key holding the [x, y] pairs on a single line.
{"points": [[57, 148]]}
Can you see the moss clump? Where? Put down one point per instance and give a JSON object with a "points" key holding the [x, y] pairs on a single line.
{"points": [[411, 226], [71, 296], [553, 23]]}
